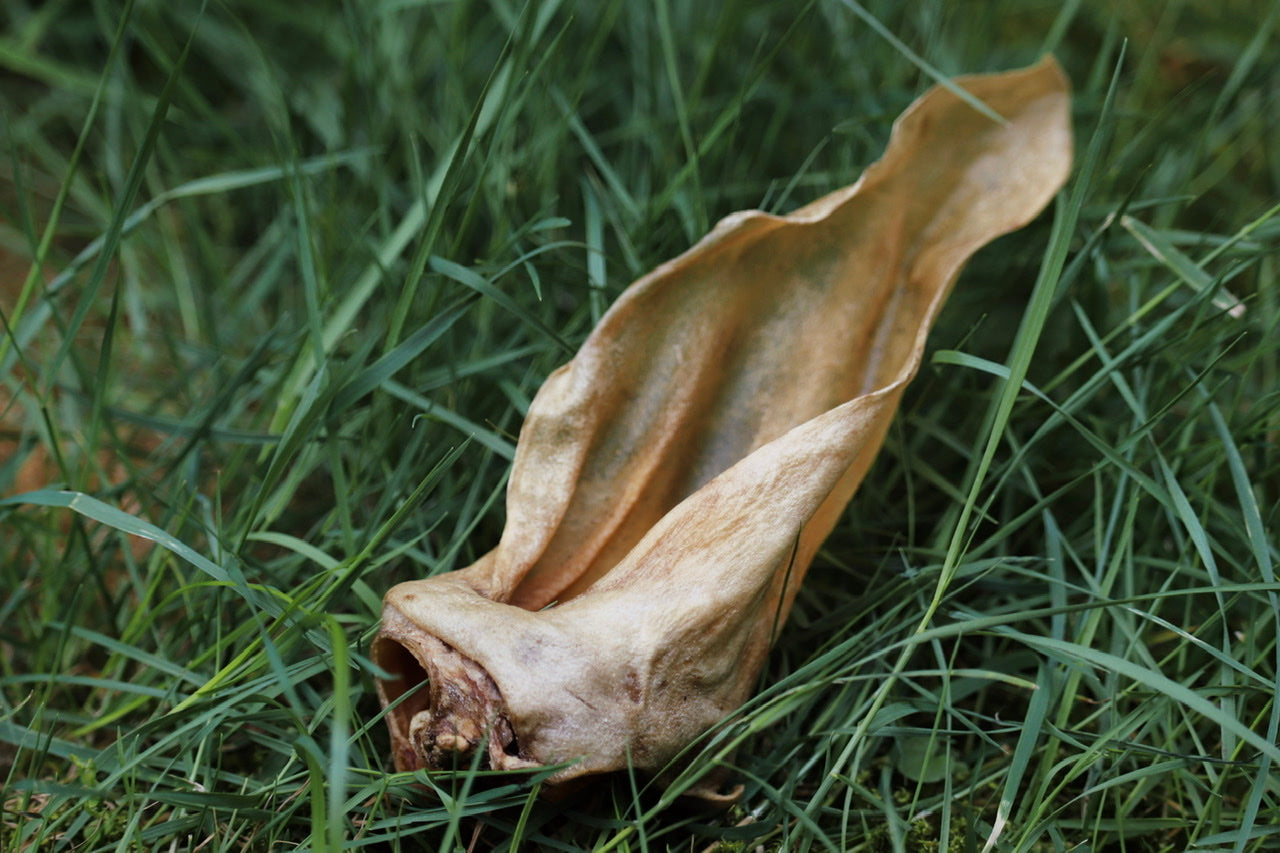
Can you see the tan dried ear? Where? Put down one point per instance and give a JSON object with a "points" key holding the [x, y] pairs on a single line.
{"points": [[674, 480]]}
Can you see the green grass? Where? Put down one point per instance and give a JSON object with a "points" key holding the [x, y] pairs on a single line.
{"points": [[299, 274]]}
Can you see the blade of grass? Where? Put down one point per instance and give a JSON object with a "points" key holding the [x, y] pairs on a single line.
{"points": [[133, 182]]}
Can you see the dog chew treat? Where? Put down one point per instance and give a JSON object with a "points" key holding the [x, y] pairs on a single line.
{"points": [[673, 482]]}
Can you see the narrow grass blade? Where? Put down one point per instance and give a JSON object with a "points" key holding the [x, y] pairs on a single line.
{"points": [[406, 351], [132, 184], [1163, 250]]}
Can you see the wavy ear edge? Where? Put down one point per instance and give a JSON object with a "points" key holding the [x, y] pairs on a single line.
{"points": [[558, 441], [1046, 72]]}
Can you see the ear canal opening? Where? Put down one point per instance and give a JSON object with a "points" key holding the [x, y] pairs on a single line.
{"points": [[404, 691]]}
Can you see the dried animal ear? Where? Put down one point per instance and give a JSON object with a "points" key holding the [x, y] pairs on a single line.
{"points": [[673, 482]]}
